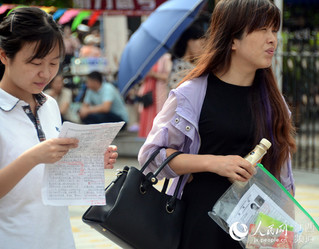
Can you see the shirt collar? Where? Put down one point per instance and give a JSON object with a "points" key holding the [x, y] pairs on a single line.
{"points": [[9, 102], [41, 98]]}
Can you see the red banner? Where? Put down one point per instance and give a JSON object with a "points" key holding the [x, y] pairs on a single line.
{"points": [[117, 7]]}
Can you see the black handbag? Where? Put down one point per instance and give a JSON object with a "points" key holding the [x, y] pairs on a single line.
{"points": [[136, 214], [147, 99]]}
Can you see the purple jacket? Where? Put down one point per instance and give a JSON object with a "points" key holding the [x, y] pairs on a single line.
{"points": [[176, 127]]}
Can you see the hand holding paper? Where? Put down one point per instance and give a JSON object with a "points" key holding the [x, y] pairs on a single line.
{"points": [[78, 178], [110, 157]]}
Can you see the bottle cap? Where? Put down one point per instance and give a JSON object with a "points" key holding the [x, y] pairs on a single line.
{"points": [[266, 143]]}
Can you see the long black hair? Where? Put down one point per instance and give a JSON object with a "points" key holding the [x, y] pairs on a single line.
{"points": [[27, 25]]}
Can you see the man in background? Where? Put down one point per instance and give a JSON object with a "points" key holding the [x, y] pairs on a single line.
{"points": [[102, 102], [62, 95]]}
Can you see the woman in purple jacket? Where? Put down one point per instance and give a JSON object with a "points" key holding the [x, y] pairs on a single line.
{"points": [[220, 111]]}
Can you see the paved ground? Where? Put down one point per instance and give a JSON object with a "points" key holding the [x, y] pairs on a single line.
{"points": [[84, 236], [307, 194]]}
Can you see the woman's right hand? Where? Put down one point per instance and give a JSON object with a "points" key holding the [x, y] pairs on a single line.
{"points": [[51, 150], [235, 168]]}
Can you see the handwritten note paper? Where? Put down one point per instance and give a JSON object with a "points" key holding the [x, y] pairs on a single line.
{"points": [[78, 178]]}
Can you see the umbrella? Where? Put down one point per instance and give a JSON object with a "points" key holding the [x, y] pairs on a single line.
{"points": [[94, 17], [153, 38], [5, 7], [79, 18], [68, 15], [58, 13], [48, 9]]}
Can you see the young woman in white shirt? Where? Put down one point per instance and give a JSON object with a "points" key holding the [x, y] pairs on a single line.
{"points": [[31, 49]]}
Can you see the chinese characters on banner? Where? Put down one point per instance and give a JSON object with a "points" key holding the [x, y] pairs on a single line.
{"points": [[125, 7]]}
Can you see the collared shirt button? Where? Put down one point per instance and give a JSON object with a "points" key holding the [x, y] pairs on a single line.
{"points": [[176, 120], [187, 128]]}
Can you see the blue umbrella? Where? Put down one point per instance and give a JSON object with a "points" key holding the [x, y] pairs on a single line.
{"points": [[58, 13], [153, 38]]}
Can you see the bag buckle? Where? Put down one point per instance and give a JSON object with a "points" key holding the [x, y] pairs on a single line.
{"points": [[121, 172], [169, 208]]}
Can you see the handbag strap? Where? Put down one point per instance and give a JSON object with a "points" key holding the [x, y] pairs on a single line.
{"points": [[151, 158], [170, 206], [151, 178], [165, 185], [166, 161]]}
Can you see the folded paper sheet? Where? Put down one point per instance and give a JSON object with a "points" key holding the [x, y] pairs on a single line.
{"points": [[78, 178]]}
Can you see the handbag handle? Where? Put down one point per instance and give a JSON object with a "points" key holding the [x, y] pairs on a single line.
{"points": [[151, 158], [170, 205], [164, 163], [152, 179]]}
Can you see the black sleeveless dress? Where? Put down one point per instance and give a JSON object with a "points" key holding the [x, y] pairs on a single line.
{"points": [[225, 128]]}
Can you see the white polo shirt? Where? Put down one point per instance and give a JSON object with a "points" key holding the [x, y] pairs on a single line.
{"points": [[24, 221]]}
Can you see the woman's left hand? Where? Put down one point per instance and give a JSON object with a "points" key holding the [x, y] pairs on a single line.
{"points": [[110, 156]]}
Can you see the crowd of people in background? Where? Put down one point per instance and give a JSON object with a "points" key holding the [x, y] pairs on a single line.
{"points": [[101, 101]]}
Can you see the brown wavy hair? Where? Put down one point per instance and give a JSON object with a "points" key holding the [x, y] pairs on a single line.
{"points": [[229, 21]]}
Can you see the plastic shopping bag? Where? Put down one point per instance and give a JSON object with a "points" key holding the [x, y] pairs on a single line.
{"points": [[262, 214]]}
